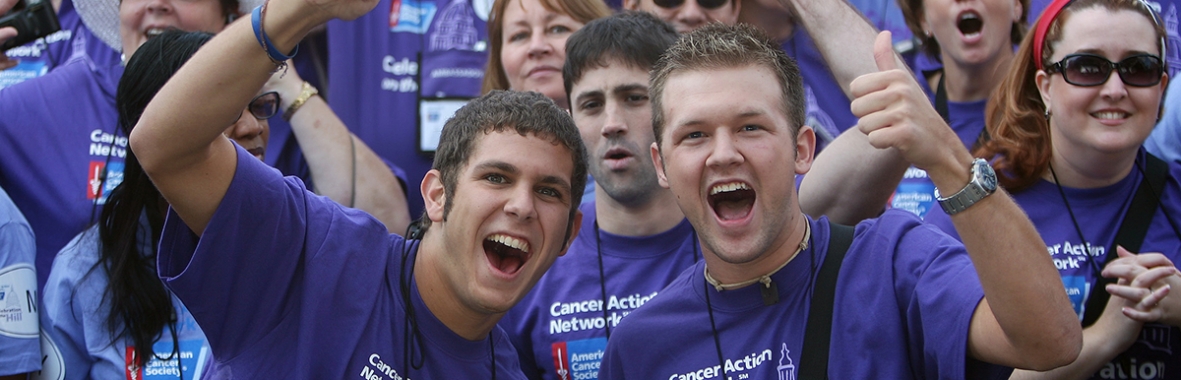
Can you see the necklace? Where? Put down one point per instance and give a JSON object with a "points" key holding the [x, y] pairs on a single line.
{"points": [[770, 291]]}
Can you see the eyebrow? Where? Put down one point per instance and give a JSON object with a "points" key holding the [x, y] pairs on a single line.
{"points": [[749, 114], [1127, 54], [625, 88]]}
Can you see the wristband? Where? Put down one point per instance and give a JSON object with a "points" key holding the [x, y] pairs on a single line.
{"points": [[277, 57], [307, 92]]}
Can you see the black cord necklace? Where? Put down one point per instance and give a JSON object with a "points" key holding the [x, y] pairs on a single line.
{"points": [[603, 277], [709, 305], [413, 342], [1095, 267]]}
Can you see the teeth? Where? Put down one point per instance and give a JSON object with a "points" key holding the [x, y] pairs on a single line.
{"points": [[1111, 115], [153, 32], [510, 241], [728, 187]]}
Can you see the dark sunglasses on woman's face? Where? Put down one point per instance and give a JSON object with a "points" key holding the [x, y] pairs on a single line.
{"points": [[707, 4], [264, 106], [1088, 70]]}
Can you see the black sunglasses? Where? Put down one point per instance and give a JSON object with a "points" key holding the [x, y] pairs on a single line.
{"points": [[707, 4], [264, 106], [1088, 70]]}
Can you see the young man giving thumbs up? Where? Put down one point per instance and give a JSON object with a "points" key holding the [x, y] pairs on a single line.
{"points": [[773, 298]]}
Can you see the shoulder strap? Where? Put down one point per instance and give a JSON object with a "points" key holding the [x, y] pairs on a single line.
{"points": [[818, 333], [1131, 231]]}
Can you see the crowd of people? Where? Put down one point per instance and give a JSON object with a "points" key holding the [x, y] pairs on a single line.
{"points": [[582, 189]]}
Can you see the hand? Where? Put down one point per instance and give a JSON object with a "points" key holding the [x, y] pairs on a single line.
{"points": [[1145, 282], [895, 113], [5, 35], [1117, 329]]}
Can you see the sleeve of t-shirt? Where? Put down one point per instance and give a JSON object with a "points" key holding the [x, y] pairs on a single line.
{"points": [[20, 350], [939, 290], [272, 251]]}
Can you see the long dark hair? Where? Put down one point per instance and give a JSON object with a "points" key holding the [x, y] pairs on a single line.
{"points": [[140, 306]]}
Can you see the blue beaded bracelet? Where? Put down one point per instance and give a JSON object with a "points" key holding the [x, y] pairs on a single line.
{"points": [[274, 54]]}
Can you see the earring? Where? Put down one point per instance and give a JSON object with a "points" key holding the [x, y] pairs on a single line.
{"points": [[1048, 113]]}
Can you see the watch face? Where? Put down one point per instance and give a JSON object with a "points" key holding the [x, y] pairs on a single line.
{"points": [[985, 175]]}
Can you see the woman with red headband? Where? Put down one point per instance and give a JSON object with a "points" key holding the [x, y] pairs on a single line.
{"points": [[1066, 126]]}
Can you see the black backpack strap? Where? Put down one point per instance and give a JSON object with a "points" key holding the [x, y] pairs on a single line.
{"points": [[818, 333], [1131, 231]]}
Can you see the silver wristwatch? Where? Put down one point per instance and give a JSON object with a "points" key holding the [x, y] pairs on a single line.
{"points": [[982, 184]]}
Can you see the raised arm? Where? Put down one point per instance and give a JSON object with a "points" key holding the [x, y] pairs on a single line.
{"points": [[850, 181], [179, 141], [343, 167], [1025, 319]]}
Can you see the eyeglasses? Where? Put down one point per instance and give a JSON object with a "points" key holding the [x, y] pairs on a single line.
{"points": [[707, 4], [1088, 70], [264, 106]]}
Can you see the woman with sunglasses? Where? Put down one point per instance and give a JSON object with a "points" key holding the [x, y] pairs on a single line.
{"points": [[1066, 127], [528, 39]]}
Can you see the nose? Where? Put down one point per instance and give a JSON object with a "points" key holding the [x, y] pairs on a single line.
{"points": [[247, 128], [540, 44], [520, 202], [692, 15], [614, 125], [159, 6], [724, 152], [1114, 88]]}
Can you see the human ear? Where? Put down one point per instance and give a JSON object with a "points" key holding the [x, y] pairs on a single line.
{"points": [[434, 195]]}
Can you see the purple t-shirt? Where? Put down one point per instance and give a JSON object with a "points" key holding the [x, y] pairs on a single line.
{"points": [[288, 284], [904, 302], [403, 53], [61, 152], [559, 328], [44, 54], [1099, 212]]}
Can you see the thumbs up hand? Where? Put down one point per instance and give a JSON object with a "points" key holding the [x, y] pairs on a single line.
{"points": [[894, 112]]}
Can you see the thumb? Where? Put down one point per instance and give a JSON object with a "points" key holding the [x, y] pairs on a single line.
{"points": [[883, 52], [1123, 252]]}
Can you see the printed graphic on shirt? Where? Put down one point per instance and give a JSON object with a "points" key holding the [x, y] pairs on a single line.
{"points": [[1077, 289], [456, 28], [18, 301], [32, 59], [1071, 256], [186, 360], [578, 359], [53, 367], [23, 71], [403, 70], [376, 369], [746, 367], [411, 16], [588, 314], [916, 193]]}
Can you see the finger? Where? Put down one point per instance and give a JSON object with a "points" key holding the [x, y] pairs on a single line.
{"points": [[1142, 316], [1126, 270], [883, 52], [1123, 252], [1134, 294], [7, 33], [1154, 297], [1151, 276], [5, 5]]}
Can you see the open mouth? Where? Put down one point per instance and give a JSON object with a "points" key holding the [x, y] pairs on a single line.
{"points": [[731, 201], [506, 253], [153, 32], [970, 24]]}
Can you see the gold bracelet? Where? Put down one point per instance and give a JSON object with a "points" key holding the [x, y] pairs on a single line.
{"points": [[305, 93]]}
